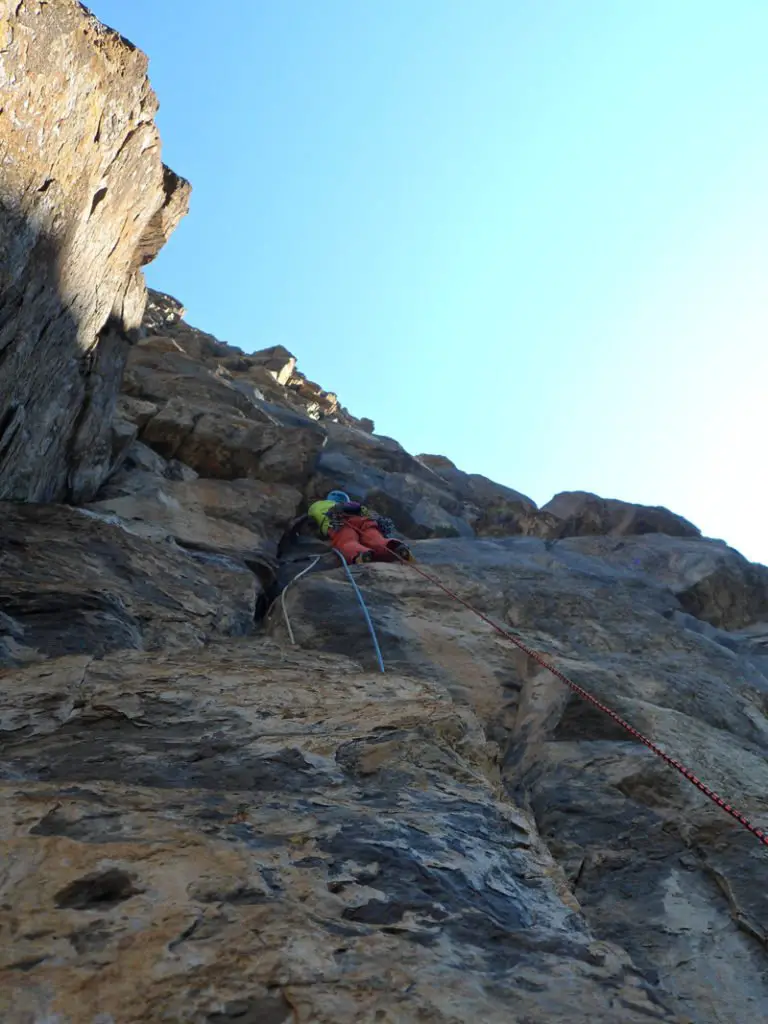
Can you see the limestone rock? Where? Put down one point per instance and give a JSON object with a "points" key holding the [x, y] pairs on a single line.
{"points": [[436, 462], [243, 519], [301, 836], [734, 595], [71, 582], [159, 370], [492, 509], [709, 579], [141, 463], [84, 202], [227, 446], [270, 372], [205, 817], [649, 857], [307, 842], [378, 471], [304, 836], [161, 311], [202, 419], [278, 361], [426, 496], [583, 513], [417, 506], [136, 411], [139, 471], [165, 218]]}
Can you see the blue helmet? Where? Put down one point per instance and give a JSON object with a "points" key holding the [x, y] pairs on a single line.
{"points": [[338, 496]]}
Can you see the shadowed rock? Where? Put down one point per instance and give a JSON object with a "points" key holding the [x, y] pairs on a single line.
{"points": [[84, 202], [71, 582]]}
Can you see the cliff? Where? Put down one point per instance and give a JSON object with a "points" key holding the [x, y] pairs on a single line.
{"points": [[203, 821], [85, 202]]}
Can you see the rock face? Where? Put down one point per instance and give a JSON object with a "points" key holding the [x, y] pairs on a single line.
{"points": [[656, 868], [72, 582], [161, 500], [267, 379], [208, 817], [297, 853], [84, 202], [260, 831], [583, 513], [203, 821]]}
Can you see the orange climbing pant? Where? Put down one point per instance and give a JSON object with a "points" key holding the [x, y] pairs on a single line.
{"points": [[359, 534]]}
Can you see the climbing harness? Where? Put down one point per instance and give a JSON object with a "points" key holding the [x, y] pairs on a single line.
{"points": [[360, 598], [586, 695]]}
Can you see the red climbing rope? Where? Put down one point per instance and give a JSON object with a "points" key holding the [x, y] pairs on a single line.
{"points": [[762, 836]]}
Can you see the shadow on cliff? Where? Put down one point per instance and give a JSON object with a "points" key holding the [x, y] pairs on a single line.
{"points": [[61, 363], [71, 583]]}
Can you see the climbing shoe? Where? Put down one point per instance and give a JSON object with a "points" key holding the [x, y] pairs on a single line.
{"points": [[403, 551], [363, 557]]}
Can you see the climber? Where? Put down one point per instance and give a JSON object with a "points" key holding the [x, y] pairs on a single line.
{"points": [[359, 533]]}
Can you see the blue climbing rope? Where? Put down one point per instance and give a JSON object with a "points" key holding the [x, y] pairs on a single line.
{"points": [[365, 610]]}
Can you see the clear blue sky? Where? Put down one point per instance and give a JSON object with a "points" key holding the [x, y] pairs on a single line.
{"points": [[530, 235]]}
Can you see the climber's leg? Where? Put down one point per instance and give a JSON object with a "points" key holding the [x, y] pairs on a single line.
{"points": [[374, 539], [401, 549], [347, 541]]}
